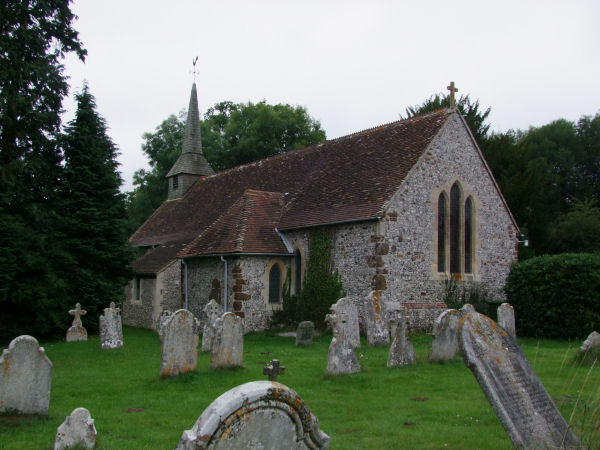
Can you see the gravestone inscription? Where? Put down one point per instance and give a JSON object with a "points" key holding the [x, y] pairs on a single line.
{"points": [[111, 328], [179, 344], [77, 332]]}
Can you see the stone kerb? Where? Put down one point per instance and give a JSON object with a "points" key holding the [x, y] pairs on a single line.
{"points": [[111, 328], [77, 430], [257, 415], [25, 378], [515, 393], [506, 318], [445, 338], [179, 349], [228, 345], [347, 314], [376, 326], [212, 310], [304, 333], [401, 350]]}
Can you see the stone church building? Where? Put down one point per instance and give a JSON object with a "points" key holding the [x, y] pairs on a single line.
{"points": [[409, 204]]}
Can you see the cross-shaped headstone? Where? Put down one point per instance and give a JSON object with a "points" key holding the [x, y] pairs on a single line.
{"points": [[452, 90], [77, 312], [273, 370], [112, 306]]}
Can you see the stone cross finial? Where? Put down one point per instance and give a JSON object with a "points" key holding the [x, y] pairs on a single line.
{"points": [[194, 61], [113, 306], [77, 312], [452, 90], [273, 370]]}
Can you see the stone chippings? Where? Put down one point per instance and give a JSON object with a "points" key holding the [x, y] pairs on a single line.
{"points": [[77, 430], [304, 333], [401, 350], [376, 326], [228, 345], [515, 393], [179, 344], [257, 415], [212, 311], [445, 340], [25, 377], [506, 318], [111, 328]]}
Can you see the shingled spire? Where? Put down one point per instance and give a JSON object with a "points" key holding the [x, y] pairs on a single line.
{"points": [[191, 164]]}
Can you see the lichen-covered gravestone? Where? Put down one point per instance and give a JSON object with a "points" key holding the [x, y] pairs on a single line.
{"points": [[347, 314], [77, 332], [376, 325], [111, 328], [506, 318], [77, 430], [179, 336], [25, 377], [341, 357], [228, 345], [304, 333], [445, 340], [212, 310], [401, 350], [165, 315], [258, 415], [592, 341], [515, 393]]}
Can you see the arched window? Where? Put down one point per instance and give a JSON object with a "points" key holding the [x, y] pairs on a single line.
{"points": [[274, 284], [441, 233], [298, 270], [215, 291], [455, 205], [468, 235]]}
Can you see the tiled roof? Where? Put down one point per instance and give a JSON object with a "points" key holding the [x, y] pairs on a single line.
{"points": [[345, 179], [156, 259]]}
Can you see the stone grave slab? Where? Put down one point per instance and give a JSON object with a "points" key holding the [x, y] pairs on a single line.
{"points": [[77, 430], [346, 310], [179, 344], [304, 333], [228, 345], [77, 332], [445, 338], [401, 350], [340, 357], [213, 311], [262, 415], [25, 377], [515, 393], [111, 328], [375, 323], [506, 318]]}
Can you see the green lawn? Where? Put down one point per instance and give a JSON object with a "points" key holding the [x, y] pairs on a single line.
{"points": [[422, 406]]}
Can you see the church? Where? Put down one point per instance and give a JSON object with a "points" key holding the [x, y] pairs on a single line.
{"points": [[409, 205]]}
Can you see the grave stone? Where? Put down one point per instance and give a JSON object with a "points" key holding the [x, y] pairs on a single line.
{"points": [[304, 333], [376, 326], [515, 393], [111, 328], [76, 332], [506, 318], [341, 357], [179, 340], [347, 314], [466, 309], [257, 415], [25, 377], [212, 310], [592, 341], [273, 370], [228, 345], [77, 430], [165, 314], [392, 311], [401, 350], [445, 340]]}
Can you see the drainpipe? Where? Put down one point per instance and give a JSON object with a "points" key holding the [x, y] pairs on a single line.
{"points": [[185, 283], [224, 285]]}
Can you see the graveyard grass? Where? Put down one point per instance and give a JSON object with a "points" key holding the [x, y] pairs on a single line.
{"points": [[422, 406]]}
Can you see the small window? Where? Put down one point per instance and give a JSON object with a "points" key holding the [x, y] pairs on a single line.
{"points": [[468, 235], [137, 288], [298, 270], [455, 229], [441, 237], [274, 284], [175, 182]]}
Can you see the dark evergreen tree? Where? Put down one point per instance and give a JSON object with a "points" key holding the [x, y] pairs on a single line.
{"points": [[95, 224], [35, 36]]}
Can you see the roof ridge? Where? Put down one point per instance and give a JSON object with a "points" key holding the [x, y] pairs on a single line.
{"points": [[242, 225]]}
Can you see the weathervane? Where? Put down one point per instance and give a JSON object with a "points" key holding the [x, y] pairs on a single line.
{"points": [[194, 61], [452, 90]]}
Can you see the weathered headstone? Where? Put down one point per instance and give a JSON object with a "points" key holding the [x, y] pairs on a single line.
{"points": [[401, 350], [466, 309], [341, 357], [179, 350], [273, 370], [258, 415], [111, 328], [592, 341], [517, 396], [347, 314], [77, 332], [228, 345], [445, 339], [304, 333], [589, 352], [376, 326], [77, 430], [392, 310], [25, 377], [213, 311], [165, 314], [506, 318]]}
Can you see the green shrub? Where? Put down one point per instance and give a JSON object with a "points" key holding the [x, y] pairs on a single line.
{"points": [[556, 296]]}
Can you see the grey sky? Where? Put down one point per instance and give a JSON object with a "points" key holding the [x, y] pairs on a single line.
{"points": [[352, 64]]}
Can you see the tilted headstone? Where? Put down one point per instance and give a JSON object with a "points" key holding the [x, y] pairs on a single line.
{"points": [[592, 341], [401, 350], [376, 325], [341, 357], [304, 333], [179, 346], [259, 415], [77, 430], [228, 345], [111, 328], [506, 318], [445, 338], [347, 314], [517, 396], [213, 311], [25, 377], [76, 332]]}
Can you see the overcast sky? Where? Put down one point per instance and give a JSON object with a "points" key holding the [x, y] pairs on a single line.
{"points": [[352, 64]]}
